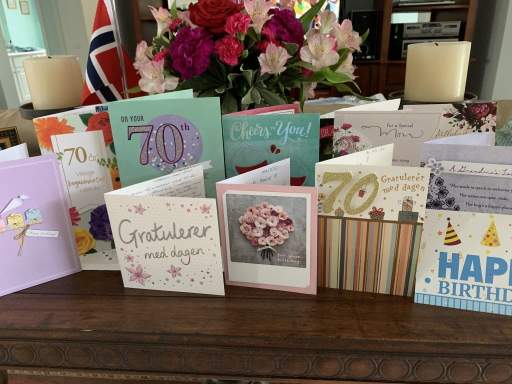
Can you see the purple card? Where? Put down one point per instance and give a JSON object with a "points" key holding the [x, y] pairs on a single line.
{"points": [[36, 240]]}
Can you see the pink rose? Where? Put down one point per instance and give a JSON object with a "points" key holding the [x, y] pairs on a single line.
{"points": [[265, 205], [245, 229], [285, 234], [283, 216], [265, 213], [254, 242], [280, 241], [229, 49], [262, 241], [272, 221], [290, 228], [237, 23], [275, 232], [271, 241], [257, 232], [278, 209], [260, 222]]}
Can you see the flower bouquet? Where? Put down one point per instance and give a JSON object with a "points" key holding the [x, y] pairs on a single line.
{"points": [[250, 55], [266, 226]]}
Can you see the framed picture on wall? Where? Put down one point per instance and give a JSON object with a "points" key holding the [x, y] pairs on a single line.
{"points": [[9, 137], [11, 4], [24, 7]]}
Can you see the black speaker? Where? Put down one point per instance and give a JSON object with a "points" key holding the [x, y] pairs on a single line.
{"points": [[363, 21]]}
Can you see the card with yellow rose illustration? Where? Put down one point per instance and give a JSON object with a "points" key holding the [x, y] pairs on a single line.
{"points": [[82, 141], [167, 234], [34, 217]]}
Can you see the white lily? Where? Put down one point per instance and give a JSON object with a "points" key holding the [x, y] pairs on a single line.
{"points": [[320, 51], [258, 12], [273, 60]]}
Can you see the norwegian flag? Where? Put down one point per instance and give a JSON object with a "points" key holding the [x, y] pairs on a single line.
{"points": [[104, 74]]}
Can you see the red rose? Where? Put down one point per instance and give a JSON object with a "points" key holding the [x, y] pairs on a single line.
{"points": [[228, 50], [75, 216], [101, 122], [478, 111], [212, 14]]}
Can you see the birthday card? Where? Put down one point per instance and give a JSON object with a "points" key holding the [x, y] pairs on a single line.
{"points": [[167, 234], [158, 136], [370, 218], [268, 230], [465, 253], [82, 140], [251, 142], [36, 240]]}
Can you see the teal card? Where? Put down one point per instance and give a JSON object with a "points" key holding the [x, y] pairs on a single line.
{"points": [[254, 141], [158, 136]]}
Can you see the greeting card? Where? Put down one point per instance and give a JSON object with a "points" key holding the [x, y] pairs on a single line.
{"points": [[370, 221], [36, 240], [327, 123], [465, 262], [357, 130], [268, 230], [275, 109], [82, 140], [167, 234], [461, 118], [158, 137], [17, 152], [251, 142]]}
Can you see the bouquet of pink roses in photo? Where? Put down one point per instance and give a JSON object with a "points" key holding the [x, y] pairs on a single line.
{"points": [[250, 55], [266, 226]]}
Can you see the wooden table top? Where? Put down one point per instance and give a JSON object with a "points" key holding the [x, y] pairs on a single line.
{"points": [[90, 322]]}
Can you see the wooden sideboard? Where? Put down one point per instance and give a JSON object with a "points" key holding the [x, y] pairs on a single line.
{"points": [[87, 328]]}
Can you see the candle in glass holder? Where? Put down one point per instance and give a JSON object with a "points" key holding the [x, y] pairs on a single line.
{"points": [[54, 81], [437, 72]]}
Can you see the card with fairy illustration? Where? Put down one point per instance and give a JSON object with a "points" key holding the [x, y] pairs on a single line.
{"points": [[36, 240], [268, 230], [157, 136], [82, 140], [370, 218], [167, 234], [255, 141]]}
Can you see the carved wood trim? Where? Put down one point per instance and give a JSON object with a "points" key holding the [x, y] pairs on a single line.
{"points": [[155, 360]]}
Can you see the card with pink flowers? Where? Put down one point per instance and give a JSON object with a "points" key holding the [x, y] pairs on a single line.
{"points": [[268, 230], [167, 235]]}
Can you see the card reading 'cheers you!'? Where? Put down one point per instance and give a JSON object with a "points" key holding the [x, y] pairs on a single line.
{"points": [[167, 234]]}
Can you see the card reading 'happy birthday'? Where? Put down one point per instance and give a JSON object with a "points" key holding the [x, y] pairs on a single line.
{"points": [[370, 221], [159, 136], [36, 240], [251, 142], [268, 230], [167, 234]]}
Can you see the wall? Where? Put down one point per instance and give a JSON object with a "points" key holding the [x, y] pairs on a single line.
{"points": [[23, 30], [489, 76], [89, 11]]}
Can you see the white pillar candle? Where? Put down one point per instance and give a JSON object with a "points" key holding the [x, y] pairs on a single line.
{"points": [[54, 81], [437, 72]]}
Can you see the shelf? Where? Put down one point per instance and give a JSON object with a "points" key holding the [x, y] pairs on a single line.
{"points": [[430, 8], [90, 326]]}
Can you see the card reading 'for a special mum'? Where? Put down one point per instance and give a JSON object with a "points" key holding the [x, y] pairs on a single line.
{"points": [[167, 234], [370, 221], [36, 241], [268, 230], [158, 136]]}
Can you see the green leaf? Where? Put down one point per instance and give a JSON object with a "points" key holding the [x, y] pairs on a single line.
{"points": [[134, 90], [248, 75], [113, 148], [247, 99], [85, 118], [308, 17], [335, 77], [364, 36], [291, 48], [221, 89], [256, 96], [343, 53], [271, 98], [229, 103], [174, 10]]}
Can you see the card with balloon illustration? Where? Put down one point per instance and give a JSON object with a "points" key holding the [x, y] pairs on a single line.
{"points": [[158, 136], [34, 217], [167, 235], [255, 141], [268, 230]]}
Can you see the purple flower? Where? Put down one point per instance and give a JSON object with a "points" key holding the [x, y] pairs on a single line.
{"points": [[100, 224], [191, 51], [283, 27]]}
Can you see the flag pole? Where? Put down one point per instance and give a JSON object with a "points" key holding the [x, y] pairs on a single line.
{"points": [[117, 37]]}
